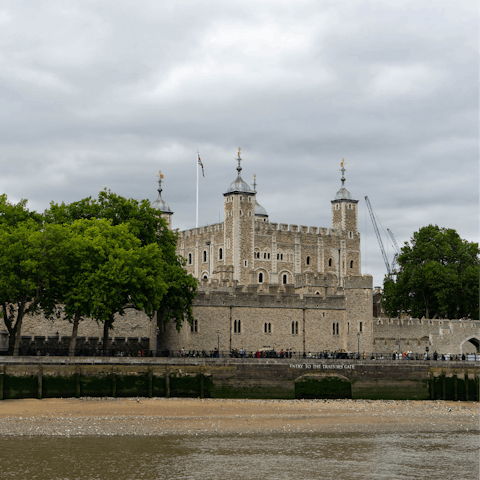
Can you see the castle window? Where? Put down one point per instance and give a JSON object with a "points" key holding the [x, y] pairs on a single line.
{"points": [[220, 253], [330, 262], [260, 277], [284, 279], [348, 327], [281, 256], [204, 256], [337, 206], [293, 328], [278, 256], [269, 328], [194, 327], [268, 256], [296, 328], [317, 293], [240, 213], [245, 263], [351, 263], [205, 277], [249, 213], [189, 258], [237, 326], [333, 327], [264, 255], [308, 260], [350, 234], [337, 328], [361, 326], [241, 198]]}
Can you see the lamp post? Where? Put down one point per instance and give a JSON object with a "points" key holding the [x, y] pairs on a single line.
{"points": [[358, 344]]}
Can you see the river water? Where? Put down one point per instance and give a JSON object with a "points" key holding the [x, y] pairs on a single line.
{"points": [[281, 456]]}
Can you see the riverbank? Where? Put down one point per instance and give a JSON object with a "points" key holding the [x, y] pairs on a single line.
{"points": [[177, 416]]}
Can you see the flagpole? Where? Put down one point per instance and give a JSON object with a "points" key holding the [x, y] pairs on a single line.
{"points": [[196, 223]]}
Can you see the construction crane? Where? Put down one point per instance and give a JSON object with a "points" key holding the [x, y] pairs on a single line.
{"points": [[377, 233], [397, 250]]}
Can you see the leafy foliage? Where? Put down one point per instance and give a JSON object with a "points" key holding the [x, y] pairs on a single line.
{"points": [[438, 277]]}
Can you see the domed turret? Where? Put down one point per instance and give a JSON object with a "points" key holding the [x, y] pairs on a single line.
{"points": [[258, 211], [160, 205], [238, 185]]}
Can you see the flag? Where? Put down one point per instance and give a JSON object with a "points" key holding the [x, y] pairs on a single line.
{"points": [[201, 164]]}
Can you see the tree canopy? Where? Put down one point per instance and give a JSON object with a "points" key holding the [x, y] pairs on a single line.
{"points": [[92, 258], [438, 276]]}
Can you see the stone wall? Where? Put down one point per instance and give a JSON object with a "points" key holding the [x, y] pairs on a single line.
{"points": [[443, 336]]}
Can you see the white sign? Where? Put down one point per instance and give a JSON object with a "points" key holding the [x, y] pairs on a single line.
{"points": [[321, 366]]}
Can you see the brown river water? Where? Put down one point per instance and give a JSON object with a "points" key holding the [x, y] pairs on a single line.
{"points": [[297, 456]]}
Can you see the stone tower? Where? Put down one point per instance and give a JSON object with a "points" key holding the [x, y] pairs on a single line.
{"points": [[345, 209], [160, 205], [345, 220], [239, 206]]}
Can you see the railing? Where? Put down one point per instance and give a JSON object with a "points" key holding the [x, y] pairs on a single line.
{"points": [[259, 354]]}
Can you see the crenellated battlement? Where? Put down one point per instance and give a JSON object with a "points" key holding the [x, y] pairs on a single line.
{"points": [[193, 232], [286, 228]]}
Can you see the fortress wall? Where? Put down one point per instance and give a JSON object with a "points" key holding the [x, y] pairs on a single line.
{"points": [[441, 335]]}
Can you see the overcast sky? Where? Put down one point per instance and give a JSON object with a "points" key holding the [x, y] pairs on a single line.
{"points": [[97, 94]]}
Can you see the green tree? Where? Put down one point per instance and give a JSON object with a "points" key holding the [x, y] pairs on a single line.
{"points": [[147, 225], [102, 270], [438, 277]]}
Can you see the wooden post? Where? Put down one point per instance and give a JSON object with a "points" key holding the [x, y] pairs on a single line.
{"points": [[77, 382], [455, 388], [40, 382], [114, 383], [167, 383], [150, 382], [444, 389], [2, 376], [466, 387]]}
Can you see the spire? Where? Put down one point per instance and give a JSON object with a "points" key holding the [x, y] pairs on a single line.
{"points": [[258, 211], [343, 193], [159, 204], [238, 185], [239, 159], [343, 170], [254, 183]]}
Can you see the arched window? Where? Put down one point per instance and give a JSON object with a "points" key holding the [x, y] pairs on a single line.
{"points": [[220, 253], [265, 328], [284, 279], [308, 260], [194, 326], [351, 263], [350, 234], [204, 255], [317, 293], [189, 258], [239, 326], [205, 277], [329, 262], [337, 328], [260, 277], [268, 256]]}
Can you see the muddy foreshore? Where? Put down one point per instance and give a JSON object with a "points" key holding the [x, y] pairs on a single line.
{"points": [[176, 416]]}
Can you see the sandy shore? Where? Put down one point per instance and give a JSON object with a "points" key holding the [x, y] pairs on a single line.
{"points": [[161, 416]]}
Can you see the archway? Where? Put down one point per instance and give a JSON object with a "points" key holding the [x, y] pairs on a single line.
{"points": [[471, 345]]}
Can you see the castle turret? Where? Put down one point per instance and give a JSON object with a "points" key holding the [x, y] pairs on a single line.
{"points": [[159, 204], [239, 210], [259, 212], [345, 209]]}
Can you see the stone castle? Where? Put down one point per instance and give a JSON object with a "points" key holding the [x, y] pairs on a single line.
{"points": [[278, 286]]}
